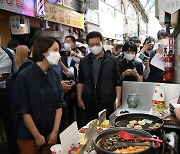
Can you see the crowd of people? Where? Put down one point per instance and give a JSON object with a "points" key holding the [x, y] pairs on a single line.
{"points": [[47, 86]]}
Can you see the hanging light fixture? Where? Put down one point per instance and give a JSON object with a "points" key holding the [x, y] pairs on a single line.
{"points": [[22, 24]]}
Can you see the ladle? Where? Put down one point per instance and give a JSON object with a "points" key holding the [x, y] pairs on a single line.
{"points": [[127, 136]]}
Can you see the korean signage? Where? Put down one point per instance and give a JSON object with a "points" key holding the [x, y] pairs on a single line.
{"points": [[16, 27], [25, 7], [170, 6], [58, 14], [39, 7]]}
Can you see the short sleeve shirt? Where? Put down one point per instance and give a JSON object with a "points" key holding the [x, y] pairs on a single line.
{"points": [[6, 62], [39, 95], [124, 65]]}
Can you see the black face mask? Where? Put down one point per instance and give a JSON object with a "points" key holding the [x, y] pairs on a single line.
{"points": [[151, 47]]}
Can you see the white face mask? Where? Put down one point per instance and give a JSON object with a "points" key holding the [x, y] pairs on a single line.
{"points": [[129, 56], [53, 58], [67, 46], [95, 50], [163, 43]]}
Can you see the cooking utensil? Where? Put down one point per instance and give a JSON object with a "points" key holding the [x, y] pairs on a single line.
{"points": [[126, 144], [123, 121], [134, 132], [127, 136]]}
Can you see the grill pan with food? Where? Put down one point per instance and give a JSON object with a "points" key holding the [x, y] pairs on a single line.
{"points": [[140, 121], [109, 142]]}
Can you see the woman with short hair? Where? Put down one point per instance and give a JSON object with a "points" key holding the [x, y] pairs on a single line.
{"points": [[37, 99], [129, 68]]}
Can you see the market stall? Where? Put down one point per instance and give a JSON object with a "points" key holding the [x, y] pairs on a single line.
{"points": [[103, 136]]}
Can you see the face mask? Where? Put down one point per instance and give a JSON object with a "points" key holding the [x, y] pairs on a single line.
{"points": [[95, 50], [67, 46], [163, 43], [129, 56], [151, 47], [53, 58]]}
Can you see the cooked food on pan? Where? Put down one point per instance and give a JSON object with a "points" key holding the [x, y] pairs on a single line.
{"points": [[156, 125], [141, 122], [113, 143], [132, 122], [132, 149], [130, 125], [135, 124], [138, 127]]}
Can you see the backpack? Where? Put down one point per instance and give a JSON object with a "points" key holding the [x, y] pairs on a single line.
{"points": [[11, 78]]}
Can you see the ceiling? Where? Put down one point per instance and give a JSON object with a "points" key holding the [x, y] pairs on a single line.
{"points": [[149, 5]]}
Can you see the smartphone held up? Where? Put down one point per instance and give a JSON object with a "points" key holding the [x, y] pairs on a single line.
{"points": [[143, 57]]}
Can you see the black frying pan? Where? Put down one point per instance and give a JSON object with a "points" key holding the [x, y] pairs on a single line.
{"points": [[123, 121], [133, 132]]}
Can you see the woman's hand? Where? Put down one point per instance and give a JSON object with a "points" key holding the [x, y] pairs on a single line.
{"points": [[40, 141], [134, 72], [52, 138], [126, 72]]}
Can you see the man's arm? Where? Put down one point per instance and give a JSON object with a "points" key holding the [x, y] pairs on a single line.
{"points": [[69, 72], [118, 97], [80, 86], [79, 95], [118, 85]]}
